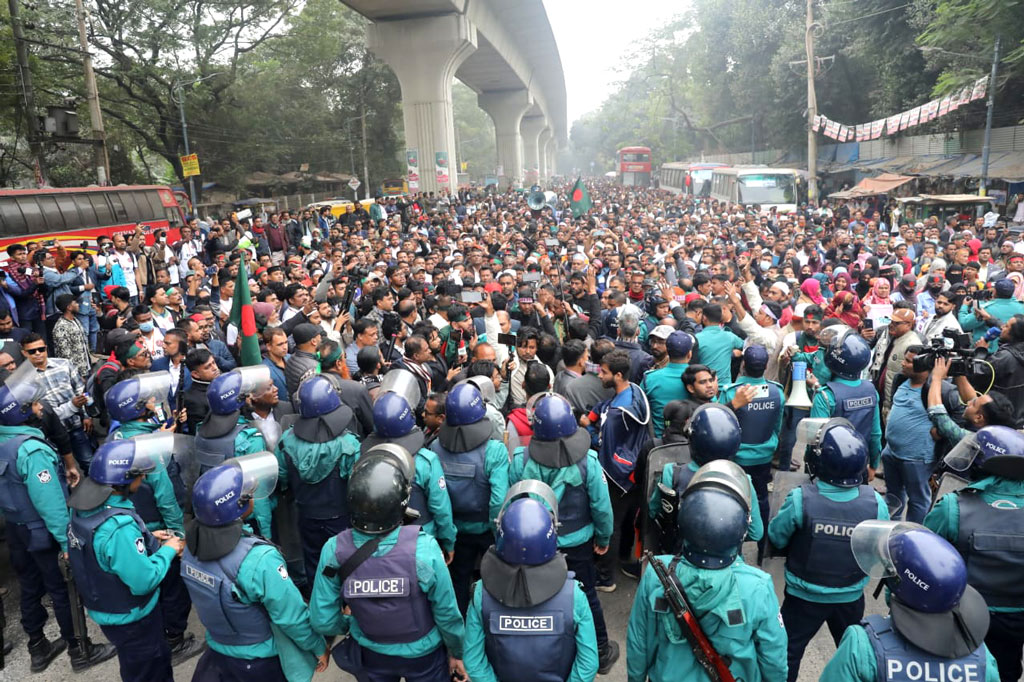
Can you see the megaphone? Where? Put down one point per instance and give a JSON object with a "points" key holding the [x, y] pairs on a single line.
{"points": [[798, 397], [538, 200]]}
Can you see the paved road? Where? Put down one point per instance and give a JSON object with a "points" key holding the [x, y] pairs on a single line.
{"points": [[616, 608]]}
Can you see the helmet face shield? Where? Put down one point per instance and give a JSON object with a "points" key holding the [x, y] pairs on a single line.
{"points": [[963, 454], [259, 474], [155, 386], [404, 383], [20, 390], [153, 451], [830, 336], [870, 545], [726, 475], [255, 380], [399, 455], [531, 488]]}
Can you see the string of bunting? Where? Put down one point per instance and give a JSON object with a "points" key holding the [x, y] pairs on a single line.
{"points": [[907, 119]]}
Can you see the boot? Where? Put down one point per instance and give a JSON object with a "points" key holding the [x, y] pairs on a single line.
{"points": [[43, 652], [184, 647], [86, 654], [606, 659]]}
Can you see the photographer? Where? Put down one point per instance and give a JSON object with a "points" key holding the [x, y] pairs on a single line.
{"points": [[979, 317], [1008, 365], [982, 409]]}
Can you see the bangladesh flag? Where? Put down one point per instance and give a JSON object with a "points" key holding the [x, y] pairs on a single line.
{"points": [[244, 319], [580, 199]]}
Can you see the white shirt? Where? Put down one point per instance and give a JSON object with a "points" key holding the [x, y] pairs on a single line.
{"points": [[127, 262]]}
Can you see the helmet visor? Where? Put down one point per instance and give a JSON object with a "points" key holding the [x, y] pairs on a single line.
{"points": [[807, 429], [255, 379], [962, 456], [531, 488], [832, 335], [25, 385], [531, 404], [870, 545], [402, 458], [724, 475], [259, 474], [154, 385], [404, 383], [153, 451]]}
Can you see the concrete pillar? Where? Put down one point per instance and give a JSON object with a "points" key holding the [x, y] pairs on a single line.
{"points": [[542, 153], [552, 151], [506, 109], [424, 53], [531, 128]]}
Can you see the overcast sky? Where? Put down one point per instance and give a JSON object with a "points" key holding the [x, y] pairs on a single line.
{"points": [[593, 38]]}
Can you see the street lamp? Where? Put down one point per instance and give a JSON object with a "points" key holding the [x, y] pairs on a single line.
{"points": [[987, 144], [178, 95]]}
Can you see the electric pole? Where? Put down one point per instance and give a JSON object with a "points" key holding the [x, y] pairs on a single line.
{"points": [[366, 171], [99, 136], [35, 142], [987, 146], [812, 108]]}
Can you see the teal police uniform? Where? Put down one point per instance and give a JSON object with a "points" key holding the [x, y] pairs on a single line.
{"points": [[171, 516], [714, 349], [760, 448], [755, 529], [824, 407], [662, 386], [737, 610], [1002, 309]]}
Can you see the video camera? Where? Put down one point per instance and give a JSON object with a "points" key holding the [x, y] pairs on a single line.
{"points": [[956, 346]]}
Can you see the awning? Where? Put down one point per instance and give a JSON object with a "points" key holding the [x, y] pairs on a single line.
{"points": [[1008, 166], [883, 184]]}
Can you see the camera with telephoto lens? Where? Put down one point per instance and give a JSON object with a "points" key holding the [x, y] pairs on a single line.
{"points": [[953, 345], [984, 295], [391, 324]]}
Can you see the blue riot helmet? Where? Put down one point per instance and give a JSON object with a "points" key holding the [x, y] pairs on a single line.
{"points": [[228, 392], [18, 392], [134, 398], [712, 523], [322, 415], [394, 412], [678, 344], [392, 416], [222, 494], [932, 605], [725, 475], [839, 454], [847, 354], [714, 433], [528, 524], [379, 489], [317, 397], [464, 405], [551, 416], [755, 360], [118, 462], [651, 303], [992, 451]]}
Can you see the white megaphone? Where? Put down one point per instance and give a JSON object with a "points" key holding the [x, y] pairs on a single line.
{"points": [[798, 397]]}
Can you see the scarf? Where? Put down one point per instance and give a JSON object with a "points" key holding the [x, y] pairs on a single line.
{"points": [[851, 316], [812, 289], [16, 272]]}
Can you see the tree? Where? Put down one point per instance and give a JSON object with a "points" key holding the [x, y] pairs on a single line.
{"points": [[474, 134]]}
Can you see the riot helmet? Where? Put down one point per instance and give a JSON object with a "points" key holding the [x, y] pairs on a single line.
{"points": [[138, 396], [992, 451], [839, 454], [528, 526], [222, 494], [847, 354], [19, 391], [712, 523], [379, 489], [714, 433]]}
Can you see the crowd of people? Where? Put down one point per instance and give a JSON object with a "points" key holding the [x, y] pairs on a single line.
{"points": [[469, 419]]}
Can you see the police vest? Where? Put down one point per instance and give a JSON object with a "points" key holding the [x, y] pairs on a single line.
{"points": [[681, 477], [418, 497], [384, 592], [857, 404], [144, 501], [535, 644], [466, 478], [211, 452], [897, 660], [325, 499], [101, 590], [991, 540], [211, 584], [819, 551], [574, 505], [759, 418], [14, 499]]}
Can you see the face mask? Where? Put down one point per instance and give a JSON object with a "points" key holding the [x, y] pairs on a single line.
{"points": [[766, 265], [145, 327]]}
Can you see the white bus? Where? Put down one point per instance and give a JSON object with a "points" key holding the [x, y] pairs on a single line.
{"points": [[691, 179], [778, 188]]}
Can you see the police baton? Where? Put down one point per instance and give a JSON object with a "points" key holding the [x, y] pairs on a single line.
{"points": [[77, 609]]}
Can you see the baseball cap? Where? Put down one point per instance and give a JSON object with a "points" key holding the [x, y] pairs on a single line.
{"points": [[662, 331], [306, 332]]}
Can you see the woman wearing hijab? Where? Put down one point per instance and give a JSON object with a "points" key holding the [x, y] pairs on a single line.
{"points": [[846, 307], [841, 280], [906, 290], [823, 287], [810, 292], [879, 294]]}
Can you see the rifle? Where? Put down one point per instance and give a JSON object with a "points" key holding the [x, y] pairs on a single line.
{"points": [[77, 609], [179, 399], [675, 599]]}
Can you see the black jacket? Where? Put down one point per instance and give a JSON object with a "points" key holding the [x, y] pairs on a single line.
{"points": [[1008, 363]]}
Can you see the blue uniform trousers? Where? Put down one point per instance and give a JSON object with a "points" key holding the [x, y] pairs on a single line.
{"points": [[314, 533], [1005, 640], [791, 416], [803, 619], [761, 476], [142, 651], [369, 666], [580, 560], [39, 575], [469, 548], [175, 603], [214, 666]]}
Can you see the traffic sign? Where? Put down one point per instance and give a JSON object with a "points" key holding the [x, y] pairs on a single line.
{"points": [[354, 184], [190, 165]]}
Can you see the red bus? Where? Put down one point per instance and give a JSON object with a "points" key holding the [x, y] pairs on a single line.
{"points": [[635, 166], [74, 215]]}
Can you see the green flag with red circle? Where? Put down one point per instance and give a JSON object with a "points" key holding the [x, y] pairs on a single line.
{"points": [[244, 319], [580, 199]]}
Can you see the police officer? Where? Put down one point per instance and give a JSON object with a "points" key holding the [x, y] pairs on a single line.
{"points": [[983, 522], [664, 385], [736, 604], [936, 621], [315, 458], [528, 619], [385, 584], [559, 455], [225, 433], [760, 424], [117, 562], [33, 499], [394, 422], [257, 625], [714, 433], [476, 473], [847, 354], [824, 584]]}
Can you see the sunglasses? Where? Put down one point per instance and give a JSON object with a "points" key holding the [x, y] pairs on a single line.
{"points": [[33, 351]]}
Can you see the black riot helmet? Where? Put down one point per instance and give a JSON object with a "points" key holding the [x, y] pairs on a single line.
{"points": [[379, 489]]}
